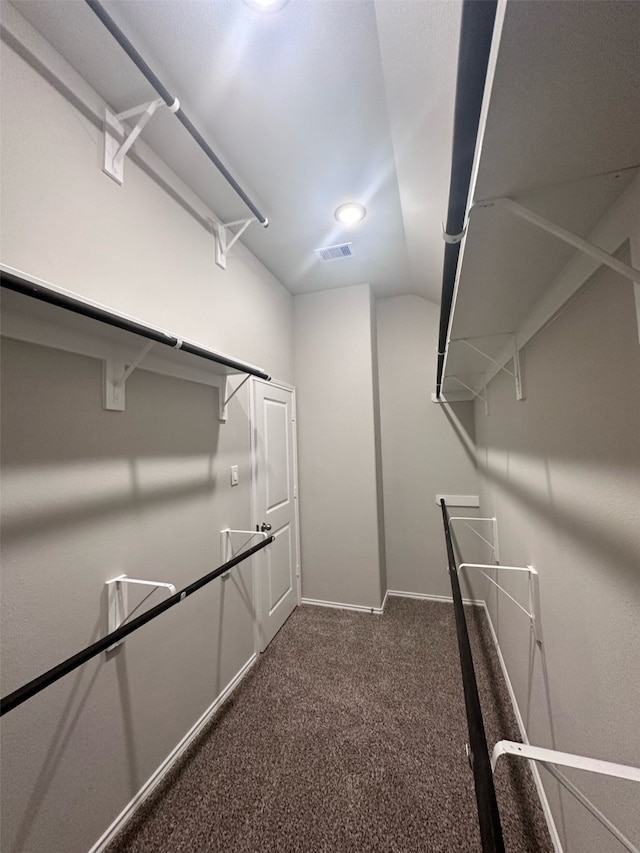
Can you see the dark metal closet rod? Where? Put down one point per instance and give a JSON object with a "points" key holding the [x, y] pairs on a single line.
{"points": [[169, 99], [77, 306], [476, 33], [12, 700], [488, 814]]}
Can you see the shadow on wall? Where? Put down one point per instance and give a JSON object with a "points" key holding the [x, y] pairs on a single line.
{"points": [[593, 534], [461, 421], [245, 596], [64, 732], [472, 587], [51, 518], [53, 412], [88, 494], [67, 462]]}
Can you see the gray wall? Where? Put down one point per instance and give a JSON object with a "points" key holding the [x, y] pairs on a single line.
{"points": [[89, 494], [132, 247], [427, 449], [339, 507], [561, 470]]}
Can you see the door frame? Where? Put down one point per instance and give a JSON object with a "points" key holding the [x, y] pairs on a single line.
{"points": [[254, 382]]}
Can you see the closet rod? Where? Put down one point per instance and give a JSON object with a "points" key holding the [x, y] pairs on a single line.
{"points": [[476, 33], [12, 700], [170, 101], [488, 814], [19, 284]]}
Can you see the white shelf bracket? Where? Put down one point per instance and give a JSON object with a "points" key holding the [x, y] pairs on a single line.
{"points": [[114, 375], [116, 140], [515, 373], [563, 234], [223, 243], [550, 757], [484, 399], [225, 543], [533, 612], [118, 601], [225, 395], [494, 525]]}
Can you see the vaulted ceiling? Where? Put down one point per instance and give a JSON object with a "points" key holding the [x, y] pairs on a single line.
{"points": [[318, 103]]}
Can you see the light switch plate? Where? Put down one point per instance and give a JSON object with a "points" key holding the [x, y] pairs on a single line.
{"points": [[234, 475]]}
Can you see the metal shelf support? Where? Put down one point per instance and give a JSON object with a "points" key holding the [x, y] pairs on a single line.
{"points": [[515, 373], [534, 592], [223, 243], [494, 522], [484, 399], [550, 757], [115, 374], [118, 602], [225, 395], [563, 234], [116, 140], [225, 543]]}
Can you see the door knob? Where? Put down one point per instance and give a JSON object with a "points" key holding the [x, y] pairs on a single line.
{"points": [[265, 527]]}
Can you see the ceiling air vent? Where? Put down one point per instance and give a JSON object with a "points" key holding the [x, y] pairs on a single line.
{"points": [[334, 253]]}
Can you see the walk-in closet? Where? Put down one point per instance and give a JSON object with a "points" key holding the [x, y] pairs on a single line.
{"points": [[320, 426]]}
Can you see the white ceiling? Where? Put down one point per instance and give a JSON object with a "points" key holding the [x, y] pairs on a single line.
{"points": [[322, 102]]}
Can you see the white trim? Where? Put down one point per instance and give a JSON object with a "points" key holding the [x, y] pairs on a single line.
{"points": [[277, 383], [364, 608], [294, 407], [158, 775], [544, 802], [254, 514], [361, 608], [284, 386], [423, 596]]}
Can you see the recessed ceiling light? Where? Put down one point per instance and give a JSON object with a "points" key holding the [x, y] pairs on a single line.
{"points": [[266, 5], [350, 213]]}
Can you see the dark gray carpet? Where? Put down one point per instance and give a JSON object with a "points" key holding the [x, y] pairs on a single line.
{"points": [[348, 735]]}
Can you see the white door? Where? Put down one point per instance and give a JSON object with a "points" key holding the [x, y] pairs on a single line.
{"points": [[274, 484]]}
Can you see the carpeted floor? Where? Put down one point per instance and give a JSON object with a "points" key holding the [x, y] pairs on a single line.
{"points": [[348, 735]]}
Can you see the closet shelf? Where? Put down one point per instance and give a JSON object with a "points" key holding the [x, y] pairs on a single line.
{"points": [[558, 134], [41, 313]]}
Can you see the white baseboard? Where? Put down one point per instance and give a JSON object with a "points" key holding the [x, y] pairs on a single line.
{"points": [[156, 777], [362, 608], [423, 596], [544, 802]]}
